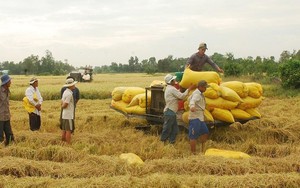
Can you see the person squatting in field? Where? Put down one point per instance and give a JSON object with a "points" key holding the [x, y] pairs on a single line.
{"points": [[68, 106], [197, 126], [197, 61], [4, 111], [35, 98], [171, 95]]}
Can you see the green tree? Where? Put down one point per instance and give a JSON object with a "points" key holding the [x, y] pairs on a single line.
{"points": [[31, 65], [47, 64], [164, 65], [150, 65], [290, 73]]}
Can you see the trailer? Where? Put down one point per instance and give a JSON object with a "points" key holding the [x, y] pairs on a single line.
{"points": [[154, 113]]}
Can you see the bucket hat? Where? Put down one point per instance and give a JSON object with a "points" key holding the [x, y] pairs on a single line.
{"points": [[5, 79]]}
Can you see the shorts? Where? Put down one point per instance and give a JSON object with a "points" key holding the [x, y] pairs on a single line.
{"points": [[197, 128], [67, 124]]}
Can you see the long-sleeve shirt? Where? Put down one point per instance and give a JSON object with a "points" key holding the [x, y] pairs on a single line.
{"points": [[34, 96], [4, 104], [196, 62], [197, 100], [172, 95]]}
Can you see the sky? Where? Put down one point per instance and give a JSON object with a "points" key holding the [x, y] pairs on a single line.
{"points": [[99, 32]]}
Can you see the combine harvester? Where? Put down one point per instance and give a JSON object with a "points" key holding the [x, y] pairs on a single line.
{"points": [[226, 102]]}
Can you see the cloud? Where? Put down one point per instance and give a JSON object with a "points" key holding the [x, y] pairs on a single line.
{"points": [[79, 29]]}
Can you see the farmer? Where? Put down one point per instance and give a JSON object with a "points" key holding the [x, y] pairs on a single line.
{"points": [[68, 106], [76, 92], [198, 60], [76, 97], [34, 97], [171, 95], [4, 110], [197, 126]]}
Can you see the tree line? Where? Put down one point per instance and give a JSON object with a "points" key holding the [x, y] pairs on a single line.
{"points": [[286, 68], [33, 65]]}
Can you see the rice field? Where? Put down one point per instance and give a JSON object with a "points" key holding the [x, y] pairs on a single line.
{"points": [[41, 159]]}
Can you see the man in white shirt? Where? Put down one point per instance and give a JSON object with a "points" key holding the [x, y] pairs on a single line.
{"points": [[197, 126], [34, 97], [171, 95], [68, 106]]}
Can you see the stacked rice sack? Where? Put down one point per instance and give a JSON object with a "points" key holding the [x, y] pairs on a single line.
{"points": [[228, 101], [132, 100]]}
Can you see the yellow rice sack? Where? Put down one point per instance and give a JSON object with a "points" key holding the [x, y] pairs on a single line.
{"points": [[186, 105], [253, 112], [226, 153], [207, 116], [157, 82], [131, 159], [254, 89], [239, 87], [220, 103], [185, 117], [250, 102], [135, 110], [27, 105], [213, 91], [240, 114], [229, 94], [119, 105], [222, 115], [117, 93], [193, 77], [135, 100], [130, 92], [142, 100]]}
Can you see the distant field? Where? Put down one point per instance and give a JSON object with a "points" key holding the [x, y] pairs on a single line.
{"points": [[40, 159], [99, 88]]}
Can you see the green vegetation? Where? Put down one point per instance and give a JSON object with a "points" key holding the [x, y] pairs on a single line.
{"points": [[290, 73], [286, 71]]}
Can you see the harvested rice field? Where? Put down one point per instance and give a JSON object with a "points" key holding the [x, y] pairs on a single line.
{"points": [[41, 159]]}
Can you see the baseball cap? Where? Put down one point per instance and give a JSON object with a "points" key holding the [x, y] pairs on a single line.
{"points": [[203, 83]]}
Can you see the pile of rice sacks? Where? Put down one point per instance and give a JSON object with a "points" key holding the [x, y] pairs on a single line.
{"points": [[225, 101], [132, 100]]}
